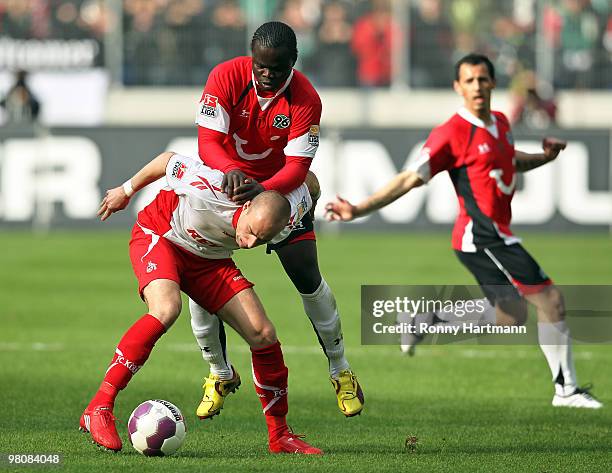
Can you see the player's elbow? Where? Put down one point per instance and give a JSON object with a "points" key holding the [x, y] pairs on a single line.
{"points": [[410, 180]]}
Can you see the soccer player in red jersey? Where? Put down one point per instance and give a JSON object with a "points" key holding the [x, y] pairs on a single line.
{"points": [[476, 148], [258, 122], [183, 241]]}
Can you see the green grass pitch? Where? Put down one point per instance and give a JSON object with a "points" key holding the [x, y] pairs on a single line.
{"points": [[66, 298]]}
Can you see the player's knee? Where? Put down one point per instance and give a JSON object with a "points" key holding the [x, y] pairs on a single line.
{"points": [[556, 303], [263, 337], [166, 311], [512, 312], [308, 281]]}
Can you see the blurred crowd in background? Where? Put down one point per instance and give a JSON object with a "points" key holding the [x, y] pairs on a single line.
{"points": [[342, 43]]}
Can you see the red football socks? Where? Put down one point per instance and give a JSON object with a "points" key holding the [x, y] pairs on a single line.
{"points": [[270, 378], [131, 353]]}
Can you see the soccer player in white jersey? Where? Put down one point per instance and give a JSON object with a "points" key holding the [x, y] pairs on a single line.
{"points": [[183, 241], [476, 147]]}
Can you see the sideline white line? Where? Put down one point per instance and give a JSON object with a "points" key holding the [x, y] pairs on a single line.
{"points": [[425, 351]]}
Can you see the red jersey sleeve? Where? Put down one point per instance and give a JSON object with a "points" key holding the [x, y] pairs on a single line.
{"points": [[436, 155], [215, 104], [303, 139], [210, 144], [290, 177]]}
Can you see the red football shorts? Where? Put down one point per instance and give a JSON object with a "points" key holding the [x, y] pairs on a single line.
{"points": [[209, 282]]}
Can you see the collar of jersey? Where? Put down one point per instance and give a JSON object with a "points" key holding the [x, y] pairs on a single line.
{"points": [[466, 115], [264, 102], [236, 216]]}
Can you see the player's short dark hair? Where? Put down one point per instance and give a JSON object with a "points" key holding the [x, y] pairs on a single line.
{"points": [[276, 34], [474, 59]]}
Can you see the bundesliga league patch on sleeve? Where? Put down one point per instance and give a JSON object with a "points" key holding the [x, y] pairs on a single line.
{"points": [[313, 135], [208, 105], [178, 170]]}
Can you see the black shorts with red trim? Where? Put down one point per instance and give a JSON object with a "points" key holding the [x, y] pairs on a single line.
{"points": [[505, 272], [303, 230]]}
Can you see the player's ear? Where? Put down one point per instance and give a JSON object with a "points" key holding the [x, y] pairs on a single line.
{"points": [[457, 87]]}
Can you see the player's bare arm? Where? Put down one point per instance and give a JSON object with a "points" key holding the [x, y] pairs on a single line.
{"points": [[551, 148], [401, 184], [117, 199]]}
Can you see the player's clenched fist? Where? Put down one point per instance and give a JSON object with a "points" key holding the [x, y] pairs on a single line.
{"points": [[115, 199], [552, 147], [339, 209]]}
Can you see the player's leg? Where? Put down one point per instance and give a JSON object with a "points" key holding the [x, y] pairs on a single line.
{"points": [[245, 314], [556, 344], [164, 302], [223, 379], [553, 333], [298, 255], [160, 289], [502, 304]]}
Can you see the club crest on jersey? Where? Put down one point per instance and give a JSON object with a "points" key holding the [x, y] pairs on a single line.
{"points": [[178, 170], [209, 105], [313, 135], [281, 121]]}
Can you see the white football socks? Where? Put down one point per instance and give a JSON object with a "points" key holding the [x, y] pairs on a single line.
{"points": [[555, 342], [320, 307], [206, 329]]}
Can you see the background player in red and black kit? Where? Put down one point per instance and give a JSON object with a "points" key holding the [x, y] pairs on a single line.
{"points": [[476, 148], [258, 122]]}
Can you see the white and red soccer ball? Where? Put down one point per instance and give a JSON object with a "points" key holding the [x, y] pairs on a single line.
{"points": [[156, 428]]}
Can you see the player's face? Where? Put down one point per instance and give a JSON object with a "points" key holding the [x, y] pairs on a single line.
{"points": [[475, 86], [271, 67], [250, 230]]}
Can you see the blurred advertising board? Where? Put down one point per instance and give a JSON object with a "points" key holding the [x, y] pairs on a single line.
{"points": [[57, 177]]}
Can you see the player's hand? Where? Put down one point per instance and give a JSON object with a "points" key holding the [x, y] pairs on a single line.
{"points": [[232, 180], [114, 201], [339, 210], [552, 147], [247, 191]]}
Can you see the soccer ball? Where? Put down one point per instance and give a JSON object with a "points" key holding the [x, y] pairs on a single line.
{"points": [[156, 428]]}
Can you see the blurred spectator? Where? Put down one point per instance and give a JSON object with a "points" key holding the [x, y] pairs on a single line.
{"points": [[66, 22], [336, 64], [225, 36], [302, 15], [373, 37], [430, 31], [20, 104], [579, 34], [17, 19], [528, 108], [141, 42]]}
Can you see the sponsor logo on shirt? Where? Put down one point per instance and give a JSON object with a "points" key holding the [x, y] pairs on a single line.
{"points": [[178, 170], [281, 121], [200, 239], [484, 148], [209, 105], [313, 135], [238, 278]]}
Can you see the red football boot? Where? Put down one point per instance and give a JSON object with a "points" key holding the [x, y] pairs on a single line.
{"points": [[100, 423], [288, 442]]}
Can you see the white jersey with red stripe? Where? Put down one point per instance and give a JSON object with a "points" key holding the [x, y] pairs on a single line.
{"points": [[192, 212], [261, 131], [480, 162]]}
